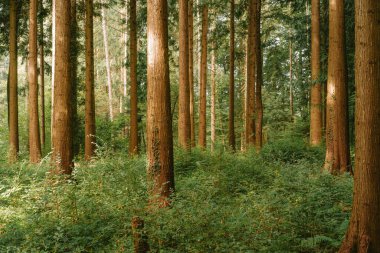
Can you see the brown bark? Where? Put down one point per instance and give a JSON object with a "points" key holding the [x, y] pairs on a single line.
{"points": [[62, 136], [363, 234], [140, 240], [90, 127], [259, 78], [250, 85], [213, 97], [231, 117], [184, 131], [74, 76], [191, 71], [133, 137], [52, 69], [13, 99], [42, 83], [203, 83], [316, 96], [159, 121], [34, 131], [337, 148]]}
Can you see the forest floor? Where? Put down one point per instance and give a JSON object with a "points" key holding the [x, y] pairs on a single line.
{"points": [[277, 201]]}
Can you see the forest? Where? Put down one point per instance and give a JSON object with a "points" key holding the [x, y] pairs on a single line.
{"points": [[190, 126]]}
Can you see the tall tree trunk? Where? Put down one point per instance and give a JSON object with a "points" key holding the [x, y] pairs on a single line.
{"points": [[231, 117], [34, 131], [363, 234], [62, 115], [53, 32], [125, 72], [108, 65], [259, 78], [244, 96], [184, 131], [74, 77], [213, 96], [337, 153], [13, 99], [291, 98], [250, 85], [191, 71], [203, 83], [316, 96], [42, 83], [159, 121], [90, 127], [133, 138]]}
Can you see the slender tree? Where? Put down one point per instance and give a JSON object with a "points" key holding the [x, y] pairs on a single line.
{"points": [[191, 71], [203, 83], [133, 138], [316, 96], [125, 36], [337, 147], [213, 97], [259, 77], [90, 127], [250, 84], [42, 81], [291, 96], [159, 121], [184, 127], [363, 234], [53, 21], [62, 135], [231, 117], [34, 131], [13, 99]]}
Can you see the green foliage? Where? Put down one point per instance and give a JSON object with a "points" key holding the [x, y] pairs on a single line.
{"points": [[278, 201]]}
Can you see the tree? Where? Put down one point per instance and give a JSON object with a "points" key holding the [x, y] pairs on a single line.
{"points": [[337, 148], [159, 119], [363, 234], [90, 127], [42, 81], [62, 135], [34, 131], [133, 138], [259, 76], [13, 100], [184, 128], [213, 96], [250, 84], [316, 96], [191, 71], [231, 118], [203, 83], [74, 76]]}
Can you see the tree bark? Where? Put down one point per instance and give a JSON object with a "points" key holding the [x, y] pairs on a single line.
{"points": [[184, 131], [34, 131], [42, 82], [291, 98], [74, 76], [337, 148], [134, 138], [203, 83], [108, 65], [316, 96], [90, 127], [191, 71], [125, 72], [363, 234], [259, 78], [250, 85], [231, 117], [13, 99], [53, 32], [62, 136], [213, 97], [159, 120]]}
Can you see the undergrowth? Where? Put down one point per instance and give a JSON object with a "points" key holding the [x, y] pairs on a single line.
{"points": [[277, 201]]}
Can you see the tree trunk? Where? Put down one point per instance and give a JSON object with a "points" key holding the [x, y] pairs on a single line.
{"points": [[291, 100], [231, 117], [42, 82], [250, 85], [108, 65], [259, 78], [213, 95], [316, 96], [191, 71], [337, 152], [34, 131], [159, 121], [74, 77], [184, 131], [244, 97], [13, 99], [203, 83], [125, 73], [62, 136], [363, 234], [134, 138], [90, 127], [53, 32]]}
